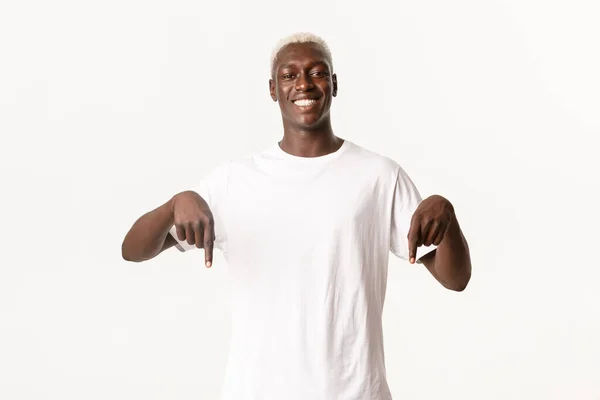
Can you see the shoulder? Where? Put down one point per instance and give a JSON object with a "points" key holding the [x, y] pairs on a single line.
{"points": [[378, 163], [251, 157], [230, 165]]}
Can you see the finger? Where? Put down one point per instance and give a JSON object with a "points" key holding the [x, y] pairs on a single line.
{"points": [[430, 234], [180, 232], [438, 238], [199, 234], [414, 241], [425, 229], [189, 233], [209, 237]]}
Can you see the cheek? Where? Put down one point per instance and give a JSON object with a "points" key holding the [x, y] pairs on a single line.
{"points": [[327, 88], [282, 98]]}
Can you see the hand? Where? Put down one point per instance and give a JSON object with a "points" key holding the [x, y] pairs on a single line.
{"points": [[194, 222], [429, 224]]}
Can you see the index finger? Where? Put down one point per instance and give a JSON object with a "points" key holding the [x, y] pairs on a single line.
{"points": [[414, 238], [209, 238]]}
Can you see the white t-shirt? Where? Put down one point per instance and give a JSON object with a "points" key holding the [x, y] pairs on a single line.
{"points": [[307, 242]]}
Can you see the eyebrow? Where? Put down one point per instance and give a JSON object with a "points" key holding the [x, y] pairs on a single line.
{"points": [[311, 65]]}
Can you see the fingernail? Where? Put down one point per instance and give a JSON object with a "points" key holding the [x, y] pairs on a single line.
{"points": [[208, 264], [412, 260]]}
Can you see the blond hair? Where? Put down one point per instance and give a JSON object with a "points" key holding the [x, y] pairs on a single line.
{"points": [[300, 37]]}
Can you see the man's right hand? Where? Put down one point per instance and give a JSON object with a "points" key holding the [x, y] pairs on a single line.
{"points": [[194, 222]]}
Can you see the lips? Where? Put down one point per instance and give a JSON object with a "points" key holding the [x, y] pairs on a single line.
{"points": [[305, 102]]}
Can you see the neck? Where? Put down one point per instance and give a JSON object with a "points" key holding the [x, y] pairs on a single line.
{"points": [[315, 142]]}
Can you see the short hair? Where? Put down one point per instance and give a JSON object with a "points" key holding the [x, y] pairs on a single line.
{"points": [[300, 37]]}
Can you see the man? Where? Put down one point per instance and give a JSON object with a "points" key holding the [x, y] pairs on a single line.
{"points": [[306, 227]]}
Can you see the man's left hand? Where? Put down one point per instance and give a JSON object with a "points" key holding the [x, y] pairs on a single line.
{"points": [[429, 224]]}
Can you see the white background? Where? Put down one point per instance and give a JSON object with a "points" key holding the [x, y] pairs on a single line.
{"points": [[109, 108]]}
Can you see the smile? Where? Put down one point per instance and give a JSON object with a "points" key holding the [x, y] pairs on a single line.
{"points": [[305, 102]]}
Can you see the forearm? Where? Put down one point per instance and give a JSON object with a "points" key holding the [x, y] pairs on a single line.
{"points": [[147, 236], [452, 259]]}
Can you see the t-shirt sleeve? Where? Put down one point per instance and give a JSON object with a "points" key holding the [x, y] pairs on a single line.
{"points": [[405, 201], [212, 188]]}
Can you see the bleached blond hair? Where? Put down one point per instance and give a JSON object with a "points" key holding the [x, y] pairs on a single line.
{"points": [[300, 37]]}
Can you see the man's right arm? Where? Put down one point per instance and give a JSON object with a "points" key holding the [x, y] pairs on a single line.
{"points": [[149, 235]]}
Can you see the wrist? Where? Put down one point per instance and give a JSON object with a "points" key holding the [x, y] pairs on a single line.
{"points": [[170, 207]]}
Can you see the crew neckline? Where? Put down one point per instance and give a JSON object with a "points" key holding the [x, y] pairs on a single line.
{"points": [[312, 160]]}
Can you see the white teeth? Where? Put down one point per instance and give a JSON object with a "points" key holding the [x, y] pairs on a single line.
{"points": [[305, 102]]}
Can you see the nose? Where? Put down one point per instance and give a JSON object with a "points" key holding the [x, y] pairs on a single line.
{"points": [[304, 82]]}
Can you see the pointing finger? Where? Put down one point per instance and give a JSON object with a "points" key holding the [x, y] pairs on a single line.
{"points": [[414, 239], [209, 237]]}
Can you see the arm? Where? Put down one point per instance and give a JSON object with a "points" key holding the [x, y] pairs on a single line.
{"points": [[434, 222], [191, 216], [149, 235], [450, 263]]}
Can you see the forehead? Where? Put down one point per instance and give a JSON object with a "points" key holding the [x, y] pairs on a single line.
{"points": [[299, 54]]}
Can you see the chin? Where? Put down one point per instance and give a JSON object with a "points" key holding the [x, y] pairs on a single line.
{"points": [[309, 122]]}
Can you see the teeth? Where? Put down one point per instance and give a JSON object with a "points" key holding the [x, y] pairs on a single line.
{"points": [[305, 102]]}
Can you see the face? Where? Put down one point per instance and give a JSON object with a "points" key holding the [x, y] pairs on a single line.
{"points": [[303, 85]]}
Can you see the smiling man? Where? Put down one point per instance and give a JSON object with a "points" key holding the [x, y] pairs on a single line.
{"points": [[306, 227]]}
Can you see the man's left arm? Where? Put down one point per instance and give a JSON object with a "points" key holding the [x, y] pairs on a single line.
{"points": [[434, 222]]}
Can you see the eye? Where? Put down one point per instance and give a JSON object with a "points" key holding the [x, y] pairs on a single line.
{"points": [[320, 74], [287, 76]]}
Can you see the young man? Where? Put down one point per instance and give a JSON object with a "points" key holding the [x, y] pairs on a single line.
{"points": [[306, 228]]}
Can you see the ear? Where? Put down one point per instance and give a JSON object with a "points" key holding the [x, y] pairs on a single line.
{"points": [[272, 89], [335, 84]]}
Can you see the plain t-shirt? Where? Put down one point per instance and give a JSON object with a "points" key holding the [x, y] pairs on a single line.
{"points": [[307, 243]]}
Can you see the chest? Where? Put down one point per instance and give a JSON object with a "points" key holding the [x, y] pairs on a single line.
{"points": [[302, 215]]}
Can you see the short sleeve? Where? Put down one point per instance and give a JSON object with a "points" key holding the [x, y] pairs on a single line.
{"points": [[405, 202], [213, 189]]}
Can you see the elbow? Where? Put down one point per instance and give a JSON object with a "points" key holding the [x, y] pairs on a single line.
{"points": [[136, 256], [458, 287], [460, 283], [126, 253], [126, 256], [129, 258]]}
